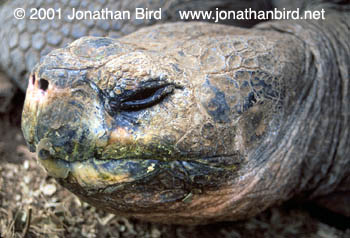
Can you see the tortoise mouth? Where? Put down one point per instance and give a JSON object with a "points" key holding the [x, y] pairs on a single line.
{"points": [[96, 173], [134, 187]]}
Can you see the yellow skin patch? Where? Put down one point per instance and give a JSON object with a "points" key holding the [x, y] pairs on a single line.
{"points": [[54, 168], [88, 176], [85, 174], [150, 168]]}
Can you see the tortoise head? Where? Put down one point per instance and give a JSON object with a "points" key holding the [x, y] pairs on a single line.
{"points": [[154, 133]]}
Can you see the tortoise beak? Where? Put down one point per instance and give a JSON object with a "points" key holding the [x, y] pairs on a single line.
{"points": [[94, 173], [55, 168]]}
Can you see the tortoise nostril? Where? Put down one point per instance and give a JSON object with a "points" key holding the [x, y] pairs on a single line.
{"points": [[33, 79], [43, 84]]}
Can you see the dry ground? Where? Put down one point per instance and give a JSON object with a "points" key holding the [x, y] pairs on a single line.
{"points": [[33, 205]]}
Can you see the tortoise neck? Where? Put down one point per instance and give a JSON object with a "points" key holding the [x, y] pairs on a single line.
{"points": [[318, 141]]}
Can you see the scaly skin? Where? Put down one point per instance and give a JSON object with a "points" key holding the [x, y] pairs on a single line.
{"points": [[23, 42], [28, 40], [197, 122]]}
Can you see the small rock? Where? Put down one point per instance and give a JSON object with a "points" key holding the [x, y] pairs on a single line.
{"points": [[18, 197], [49, 189], [26, 179], [26, 164]]}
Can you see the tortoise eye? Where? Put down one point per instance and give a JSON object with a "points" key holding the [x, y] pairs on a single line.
{"points": [[141, 98], [146, 98]]}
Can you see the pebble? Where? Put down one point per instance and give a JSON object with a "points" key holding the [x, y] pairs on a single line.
{"points": [[26, 164], [26, 179], [48, 189], [18, 197]]}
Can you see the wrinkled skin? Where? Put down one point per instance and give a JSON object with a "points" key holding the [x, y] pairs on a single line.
{"points": [[23, 42], [196, 122]]}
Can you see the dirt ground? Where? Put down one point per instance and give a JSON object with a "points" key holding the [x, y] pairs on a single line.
{"points": [[32, 204]]}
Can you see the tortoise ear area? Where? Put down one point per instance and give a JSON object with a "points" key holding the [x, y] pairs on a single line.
{"points": [[97, 48]]}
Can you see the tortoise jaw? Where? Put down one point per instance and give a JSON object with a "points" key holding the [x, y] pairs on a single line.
{"points": [[136, 186], [99, 174], [56, 168], [94, 173]]}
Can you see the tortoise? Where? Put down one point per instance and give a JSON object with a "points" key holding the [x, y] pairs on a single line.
{"points": [[24, 41], [198, 122]]}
